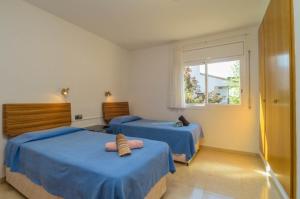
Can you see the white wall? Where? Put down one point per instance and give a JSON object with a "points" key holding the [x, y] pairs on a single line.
{"points": [[40, 54], [297, 53], [224, 127]]}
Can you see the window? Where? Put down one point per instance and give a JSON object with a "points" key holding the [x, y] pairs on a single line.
{"points": [[213, 83], [194, 84], [208, 73]]}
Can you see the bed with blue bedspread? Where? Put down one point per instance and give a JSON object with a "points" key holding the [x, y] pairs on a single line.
{"points": [[182, 140], [72, 163]]}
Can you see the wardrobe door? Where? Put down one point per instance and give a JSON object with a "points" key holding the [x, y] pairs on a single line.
{"points": [[262, 93], [278, 49]]}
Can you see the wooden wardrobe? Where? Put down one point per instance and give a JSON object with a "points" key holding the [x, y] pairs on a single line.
{"points": [[277, 105]]}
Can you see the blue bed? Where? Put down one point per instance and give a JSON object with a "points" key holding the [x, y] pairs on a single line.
{"points": [[72, 163], [182, 140]]}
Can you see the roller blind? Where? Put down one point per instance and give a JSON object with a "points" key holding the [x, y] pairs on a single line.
{"points": [[214, 52]]}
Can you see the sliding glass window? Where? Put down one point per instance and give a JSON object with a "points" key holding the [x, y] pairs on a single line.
{"points": [[215, 82]]}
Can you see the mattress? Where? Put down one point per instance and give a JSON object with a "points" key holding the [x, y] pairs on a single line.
{"points": [[34, 191], [72, 163]]}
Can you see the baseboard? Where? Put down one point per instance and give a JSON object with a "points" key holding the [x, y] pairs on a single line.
{"points": [[278, 185], [2, 180], [228, 150]]}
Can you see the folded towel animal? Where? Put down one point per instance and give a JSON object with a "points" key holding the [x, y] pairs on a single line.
{"points": [[123, 148], [133, 144], [183, 120]]}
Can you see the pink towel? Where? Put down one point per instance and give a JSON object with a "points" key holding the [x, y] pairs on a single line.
{"points": [[133, 144]]}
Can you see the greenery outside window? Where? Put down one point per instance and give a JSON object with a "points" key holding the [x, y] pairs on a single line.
{"points": [[213, 83]]}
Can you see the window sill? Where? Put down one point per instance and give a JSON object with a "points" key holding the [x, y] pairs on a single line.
{"points": [[194, 106], [214, 106]]}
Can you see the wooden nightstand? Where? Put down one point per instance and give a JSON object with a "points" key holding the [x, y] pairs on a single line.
{"points": [[97, 128]]}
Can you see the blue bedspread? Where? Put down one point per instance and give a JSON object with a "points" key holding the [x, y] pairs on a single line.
{"points": [[72, 163], [181, 140]]}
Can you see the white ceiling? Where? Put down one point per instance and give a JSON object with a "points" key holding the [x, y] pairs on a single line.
{"points": [[135, 24]]}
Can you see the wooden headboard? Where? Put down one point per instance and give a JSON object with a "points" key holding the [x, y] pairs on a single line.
{"points": [[114, 109], [22, 118]]}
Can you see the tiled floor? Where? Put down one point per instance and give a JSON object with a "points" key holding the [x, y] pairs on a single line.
{"points": [[221, 175], [212, 175]]}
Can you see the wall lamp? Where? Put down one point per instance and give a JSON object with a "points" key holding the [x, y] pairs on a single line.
{"points": [[65, 92], [107, 94]]}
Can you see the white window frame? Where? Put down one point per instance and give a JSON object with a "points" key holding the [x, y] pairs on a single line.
{"points": [[242, 82]]}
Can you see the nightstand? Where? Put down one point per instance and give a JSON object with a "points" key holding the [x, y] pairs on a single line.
{"points": [[97, 128]]}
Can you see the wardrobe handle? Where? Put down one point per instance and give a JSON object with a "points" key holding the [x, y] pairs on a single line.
{"points": [[275, 101], [249, 79]]}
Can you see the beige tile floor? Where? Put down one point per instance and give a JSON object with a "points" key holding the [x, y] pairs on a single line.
{"points": [[221, 175], [211, 175]]}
